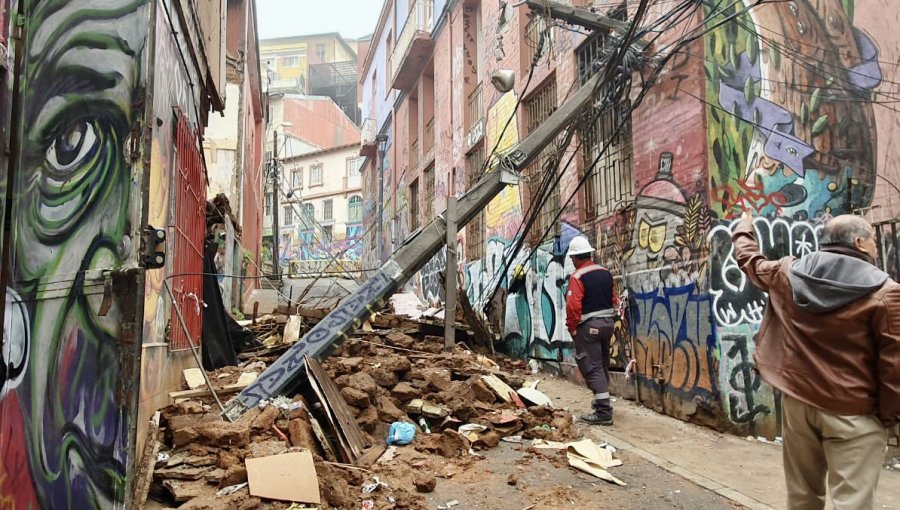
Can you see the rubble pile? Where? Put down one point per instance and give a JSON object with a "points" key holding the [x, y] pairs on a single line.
{"points": [[394, 377], [458, 403]]}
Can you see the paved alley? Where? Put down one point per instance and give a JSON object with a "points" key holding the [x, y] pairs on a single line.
{"points": [[747, 472]]}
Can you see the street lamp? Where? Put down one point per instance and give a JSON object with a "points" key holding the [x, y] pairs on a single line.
{"points": [[503, 80], [275, 229]]}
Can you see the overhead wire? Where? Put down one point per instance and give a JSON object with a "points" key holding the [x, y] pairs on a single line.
{"points": [[502, 274]]}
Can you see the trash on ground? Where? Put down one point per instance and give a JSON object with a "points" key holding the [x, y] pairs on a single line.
{"points": [[401, 433], [286, 477]]}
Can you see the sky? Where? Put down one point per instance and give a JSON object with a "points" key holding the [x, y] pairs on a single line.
{"points": [[283, 18]]}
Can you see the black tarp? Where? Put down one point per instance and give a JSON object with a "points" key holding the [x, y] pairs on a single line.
{"points": [[218, 347]]}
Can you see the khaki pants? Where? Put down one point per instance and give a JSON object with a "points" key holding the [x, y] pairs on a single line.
{"points": [[849, 450]]}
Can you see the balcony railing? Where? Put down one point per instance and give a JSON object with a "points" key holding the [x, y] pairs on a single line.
{"points": [[414, 155], [419, 21], [474, 110], [428, 135]]}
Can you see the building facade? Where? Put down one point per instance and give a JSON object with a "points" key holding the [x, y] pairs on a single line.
{"points": [[320, 211], [738, 119], [315, 65], [233, 147], [106, 187]]}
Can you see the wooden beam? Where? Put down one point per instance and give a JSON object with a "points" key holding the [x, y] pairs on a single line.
{"points": [[204, 392]]}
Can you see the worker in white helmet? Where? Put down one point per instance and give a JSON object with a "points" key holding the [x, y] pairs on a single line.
{"points": [[591, 305]]}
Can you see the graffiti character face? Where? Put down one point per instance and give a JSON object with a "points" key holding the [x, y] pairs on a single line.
{"points": [[82, 70], [651, 236]]}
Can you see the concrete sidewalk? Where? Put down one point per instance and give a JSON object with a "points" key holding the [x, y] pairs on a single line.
{"points": [[747, 472]]}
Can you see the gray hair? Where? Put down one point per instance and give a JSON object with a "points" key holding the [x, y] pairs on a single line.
{"points": [[845, 230]]}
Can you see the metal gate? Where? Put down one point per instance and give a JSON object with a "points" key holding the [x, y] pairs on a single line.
{"points": [[189, 235]]}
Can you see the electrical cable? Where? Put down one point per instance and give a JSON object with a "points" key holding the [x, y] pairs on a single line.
{"points": [[646, 87]]}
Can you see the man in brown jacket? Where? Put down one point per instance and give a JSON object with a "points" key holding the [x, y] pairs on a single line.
{"points": [[830, 341]]}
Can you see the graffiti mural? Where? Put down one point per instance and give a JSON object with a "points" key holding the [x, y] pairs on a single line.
{"points": [[67, 413], [791, 121], [674, 339], [307, 251], [792, 138], [736, 300]]}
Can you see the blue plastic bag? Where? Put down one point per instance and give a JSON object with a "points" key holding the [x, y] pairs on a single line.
{"points": [[401, 433]]}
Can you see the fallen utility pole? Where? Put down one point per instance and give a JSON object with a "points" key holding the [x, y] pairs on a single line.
{"points": [[576, 16], [288, 371], [450, 289]]}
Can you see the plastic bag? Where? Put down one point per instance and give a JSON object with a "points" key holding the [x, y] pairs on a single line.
{"points": [[401, 433]]}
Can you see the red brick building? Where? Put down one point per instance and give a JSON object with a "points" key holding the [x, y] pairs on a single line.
{"points": [[736, 119]]}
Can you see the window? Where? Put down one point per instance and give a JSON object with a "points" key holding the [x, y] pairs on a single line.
{"points": [[309, 215], [429, 192], [538, 39], [414, 205], [327, 234], [328, 210], [297, 178], [288, 218], [475, 228], [612, 180], [320, 51], [537, 109], [354, 212], [268, 204], [316, 174], [290, 61], [353, 166]]}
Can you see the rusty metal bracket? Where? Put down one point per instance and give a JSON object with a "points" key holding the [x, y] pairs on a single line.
{"points": [[106, 304]]}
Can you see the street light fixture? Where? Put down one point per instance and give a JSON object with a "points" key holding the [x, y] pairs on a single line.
{"points": [[503, 80]]}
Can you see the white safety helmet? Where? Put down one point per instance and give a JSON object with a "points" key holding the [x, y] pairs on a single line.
{"points": [[580, 246]]}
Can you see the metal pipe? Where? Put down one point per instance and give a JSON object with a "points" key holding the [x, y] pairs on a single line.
{"points": [[379, 227], [187, 335]]}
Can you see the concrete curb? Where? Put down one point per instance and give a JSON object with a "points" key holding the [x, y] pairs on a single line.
{"points": [[702, 481]]}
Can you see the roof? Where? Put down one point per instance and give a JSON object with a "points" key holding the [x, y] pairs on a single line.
{"points": [[354, 145]]}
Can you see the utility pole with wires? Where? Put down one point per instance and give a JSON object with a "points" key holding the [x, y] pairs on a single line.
{"points": [[410, 256], [275, 230]]}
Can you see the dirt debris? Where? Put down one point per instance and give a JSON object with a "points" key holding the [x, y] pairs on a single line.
{"points": [[383, 377]]}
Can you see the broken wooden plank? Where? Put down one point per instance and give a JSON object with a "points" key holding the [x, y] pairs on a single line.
{"points": [[481, 333], [499, 387], [204, 392], [346, 423], [371, 455], [148, 462]]}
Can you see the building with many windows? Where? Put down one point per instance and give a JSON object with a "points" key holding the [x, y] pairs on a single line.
{"points": [[320, 211], [315, 65], [689, 131]]}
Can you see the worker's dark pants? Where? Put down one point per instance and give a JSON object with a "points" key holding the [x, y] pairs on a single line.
{"points": [[592, 355]]}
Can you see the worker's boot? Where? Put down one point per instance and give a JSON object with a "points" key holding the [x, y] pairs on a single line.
{"points": [[602, 414]]}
